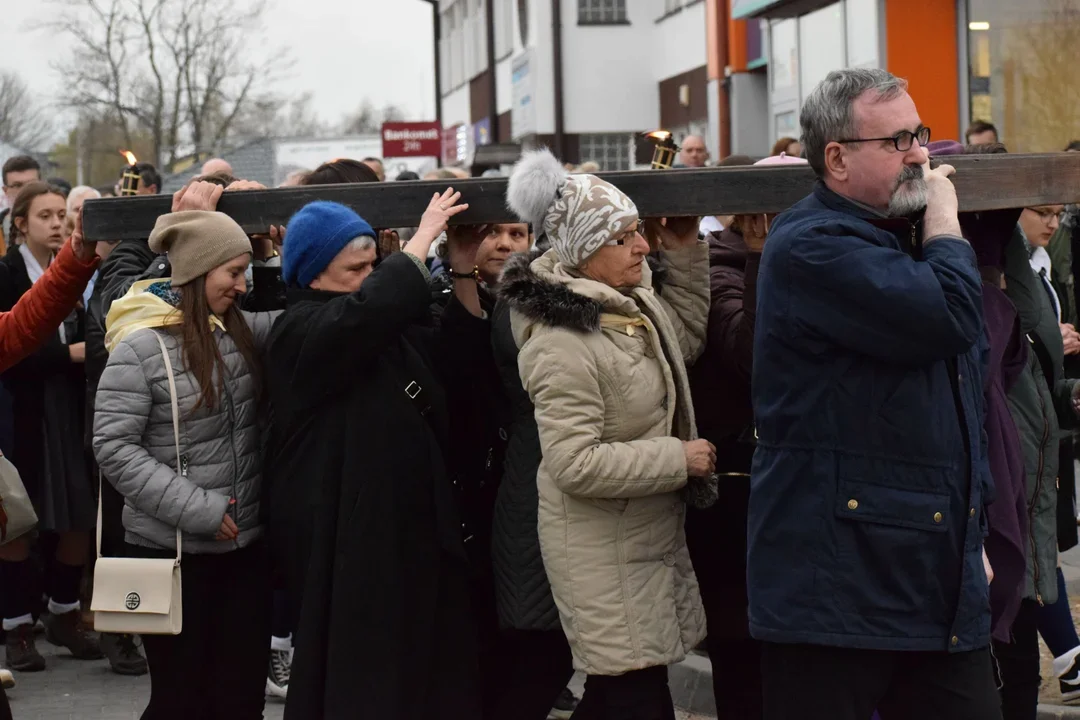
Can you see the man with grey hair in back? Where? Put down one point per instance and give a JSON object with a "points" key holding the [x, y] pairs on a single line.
{"points": [[868, 585]]}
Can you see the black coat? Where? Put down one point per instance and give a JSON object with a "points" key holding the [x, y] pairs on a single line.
{"points": [[476, 445], [130, 261], [720, 381], [362, 511], [523, 593], [48, 406]]}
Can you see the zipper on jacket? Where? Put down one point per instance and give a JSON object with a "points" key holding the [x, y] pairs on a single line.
{"points": [[234, 508], [1034, 498], [183, 465], [952, 366]]}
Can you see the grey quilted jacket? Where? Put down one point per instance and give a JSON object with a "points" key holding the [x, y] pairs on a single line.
{"points": [[220, 455]]}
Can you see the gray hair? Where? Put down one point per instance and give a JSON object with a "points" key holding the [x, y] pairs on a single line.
{"points": [[828, 112], [80, 191], [364, 242]]}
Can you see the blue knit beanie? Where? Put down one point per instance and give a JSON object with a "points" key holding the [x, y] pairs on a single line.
{"points": [[314, 237]]}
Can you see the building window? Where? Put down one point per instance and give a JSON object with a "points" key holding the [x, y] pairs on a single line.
{"points": [[821, 46], [602, 12], [861, 17], [784, 66], [1022, 59], [611, 151], [504, 29]]}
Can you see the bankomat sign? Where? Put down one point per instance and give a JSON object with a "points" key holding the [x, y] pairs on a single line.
{"points": [[413, 139]]}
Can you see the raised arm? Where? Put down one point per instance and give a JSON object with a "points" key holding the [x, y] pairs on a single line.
{"points": [[685, 292], [353, 330], [34, 318]]}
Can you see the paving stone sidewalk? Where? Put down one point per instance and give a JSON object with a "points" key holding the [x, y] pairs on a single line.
{"points": [[75, 690], [79, 690]]}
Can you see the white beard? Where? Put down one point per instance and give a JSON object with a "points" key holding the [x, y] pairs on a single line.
{"points": [[908, 199]]}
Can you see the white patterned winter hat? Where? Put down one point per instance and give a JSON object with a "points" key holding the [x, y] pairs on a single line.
{"points": [[578, 213]]}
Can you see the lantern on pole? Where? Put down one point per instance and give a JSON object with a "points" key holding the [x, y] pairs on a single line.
{"points": [[129, 181], [664, 154]]}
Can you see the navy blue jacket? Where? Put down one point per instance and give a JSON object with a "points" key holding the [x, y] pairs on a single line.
{"points": [[870, 476]]}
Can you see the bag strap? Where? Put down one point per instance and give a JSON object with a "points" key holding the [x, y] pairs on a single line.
{"points": [[176, 439]]}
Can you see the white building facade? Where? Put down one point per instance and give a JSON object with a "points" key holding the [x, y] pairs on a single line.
{"points": [[627, 67]]}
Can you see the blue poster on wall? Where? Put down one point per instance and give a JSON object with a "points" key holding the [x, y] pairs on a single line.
{"points": [[482, 132]]}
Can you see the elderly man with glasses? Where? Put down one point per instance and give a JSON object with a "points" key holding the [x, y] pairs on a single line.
{"points": [[868, 584]]}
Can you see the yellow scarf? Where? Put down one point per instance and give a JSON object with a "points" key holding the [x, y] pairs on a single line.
{"points": [[138, 310], [622, 323]]}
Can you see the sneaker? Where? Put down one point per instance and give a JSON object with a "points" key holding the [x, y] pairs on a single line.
{"points": [[277, 679], [1067, 670], [7, 680], [565, 706], [123, 653], [22, 652], [67, 630]]}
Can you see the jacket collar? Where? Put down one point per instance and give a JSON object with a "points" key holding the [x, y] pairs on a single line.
{"points": [[903, 228], [841, 203], [296, 295]]}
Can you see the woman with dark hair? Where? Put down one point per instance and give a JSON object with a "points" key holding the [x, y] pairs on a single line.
{"points": [[208, 498], [48, 392], [716, 536], [787, 146], [337, 172]]}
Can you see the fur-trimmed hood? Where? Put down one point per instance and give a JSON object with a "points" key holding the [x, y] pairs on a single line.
{"points": [[533, 289]]}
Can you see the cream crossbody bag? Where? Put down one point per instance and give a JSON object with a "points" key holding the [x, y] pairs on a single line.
{"points": [[140, 595]]}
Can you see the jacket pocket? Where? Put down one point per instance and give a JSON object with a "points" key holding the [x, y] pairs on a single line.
{"points": [[891, 549], [865, 502]]}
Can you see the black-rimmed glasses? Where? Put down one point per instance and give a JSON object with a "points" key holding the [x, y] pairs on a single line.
{"points": [[902, 140]]}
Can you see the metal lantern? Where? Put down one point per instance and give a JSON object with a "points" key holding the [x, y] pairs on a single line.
{"points": [[664, 154], [129, 181]]}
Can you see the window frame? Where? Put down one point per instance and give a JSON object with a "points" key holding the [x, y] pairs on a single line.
{"points": [[603, 12], [612, 151]]}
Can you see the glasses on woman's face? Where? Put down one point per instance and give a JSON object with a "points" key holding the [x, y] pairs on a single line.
{"points": [[628, 237], [1048, 215], [902, 140]]}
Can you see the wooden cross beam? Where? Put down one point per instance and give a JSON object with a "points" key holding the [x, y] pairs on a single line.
{"points": [[983, 182]]}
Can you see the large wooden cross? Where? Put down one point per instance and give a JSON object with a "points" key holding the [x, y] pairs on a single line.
{"points": [[983, 182]]}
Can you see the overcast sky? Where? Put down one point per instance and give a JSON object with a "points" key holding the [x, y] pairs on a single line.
{"points": [[341, 50]]}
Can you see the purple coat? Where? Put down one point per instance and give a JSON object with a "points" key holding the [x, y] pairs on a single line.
{"points": [[1007, 515]]}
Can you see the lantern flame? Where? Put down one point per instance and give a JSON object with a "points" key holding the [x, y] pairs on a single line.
{"points": [[130, 156], [659, 135]]}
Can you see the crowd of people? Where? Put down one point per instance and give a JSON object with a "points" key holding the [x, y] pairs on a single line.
{"points": [[432, 471]]}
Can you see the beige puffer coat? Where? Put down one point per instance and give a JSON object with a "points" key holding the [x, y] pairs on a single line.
{"points": [[606, 372]]}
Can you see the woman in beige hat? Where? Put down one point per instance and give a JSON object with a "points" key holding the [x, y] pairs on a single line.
{"points": [[216, 668]]}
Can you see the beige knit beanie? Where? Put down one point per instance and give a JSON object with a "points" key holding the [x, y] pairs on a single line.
{"points": [[197, 241]]}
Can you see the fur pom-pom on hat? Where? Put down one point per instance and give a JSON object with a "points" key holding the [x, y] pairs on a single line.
{"points": [[535, 184], [579, 214]]}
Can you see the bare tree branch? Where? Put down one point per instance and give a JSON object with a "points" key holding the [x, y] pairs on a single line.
{"points": [[22, 122], [178, 71]]}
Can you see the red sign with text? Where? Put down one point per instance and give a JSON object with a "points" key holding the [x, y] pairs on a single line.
{"points": [[411, 139]]}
